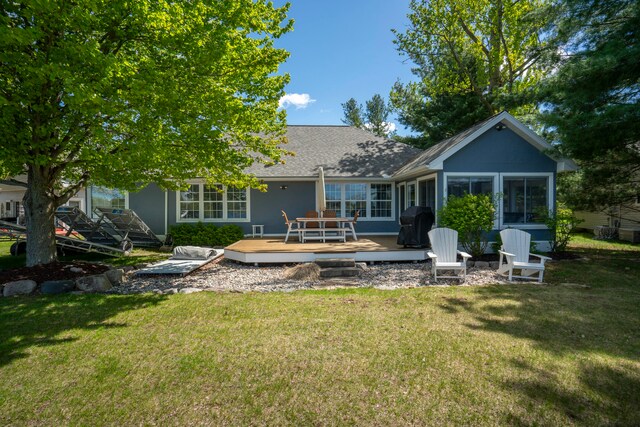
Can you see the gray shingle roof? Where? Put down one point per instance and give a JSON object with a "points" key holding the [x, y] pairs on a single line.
{"points": [[342, 151], [438, 149]]}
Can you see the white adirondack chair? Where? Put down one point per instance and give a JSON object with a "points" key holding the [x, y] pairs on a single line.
{"points": [[514, 255], [444, 253]]}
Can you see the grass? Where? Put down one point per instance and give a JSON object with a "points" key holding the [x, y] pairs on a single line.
{"points": [[139, 256], [566, 353]]}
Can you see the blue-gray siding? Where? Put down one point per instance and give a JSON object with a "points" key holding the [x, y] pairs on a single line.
{"points": [[265, 208], [149, 204]]}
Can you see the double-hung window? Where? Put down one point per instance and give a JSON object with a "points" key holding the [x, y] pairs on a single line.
{"points": [[525, 199], [203, 202], [374, 201]]}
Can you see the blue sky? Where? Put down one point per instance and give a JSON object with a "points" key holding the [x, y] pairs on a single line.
{"points": [[339, 50]]}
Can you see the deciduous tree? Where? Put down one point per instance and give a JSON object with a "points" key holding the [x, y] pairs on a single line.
{"points": [[122, 93], [472, 59]]}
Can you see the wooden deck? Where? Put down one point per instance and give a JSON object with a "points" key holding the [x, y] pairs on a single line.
{"points": [[365, 249]]}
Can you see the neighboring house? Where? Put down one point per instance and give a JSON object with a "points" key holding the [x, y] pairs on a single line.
{"points": [[615, 216], [379, 177]]}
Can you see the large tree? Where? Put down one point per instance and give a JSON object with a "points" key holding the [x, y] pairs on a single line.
{"points": [[374, 117], [472, 59], [122, 93], [593, 100]]}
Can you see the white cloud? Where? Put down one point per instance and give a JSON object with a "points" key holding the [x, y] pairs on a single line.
{"points": [[298, 100], [389, 126]]}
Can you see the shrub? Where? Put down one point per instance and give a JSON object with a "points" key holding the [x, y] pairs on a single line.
{"points": [[472, 217], [560, 226], [200, 234]]}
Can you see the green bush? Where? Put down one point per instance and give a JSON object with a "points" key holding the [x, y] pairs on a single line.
{"points": [[200, 234], [560, 226], [472, 217]]}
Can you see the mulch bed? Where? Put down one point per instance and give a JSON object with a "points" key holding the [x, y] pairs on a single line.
{"points": [[53, 271]]}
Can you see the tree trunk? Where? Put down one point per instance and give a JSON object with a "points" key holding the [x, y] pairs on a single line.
{"points": [[39, 207]]}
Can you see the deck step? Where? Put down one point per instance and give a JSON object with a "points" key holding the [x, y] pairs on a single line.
{"points": [[339, 272], [335, 262]]}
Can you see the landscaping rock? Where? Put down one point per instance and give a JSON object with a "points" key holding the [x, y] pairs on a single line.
{"points": [[53, 287], [470, 264], [362, 266], [115, 275], [128, 268], [96, 283], [190, 290], [19, 287], [76, 270], [308, 271], [494, 264], [481, 264]]}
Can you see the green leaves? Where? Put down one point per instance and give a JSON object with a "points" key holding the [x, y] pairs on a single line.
{"points": [[593, 101], [473, 59], [472, 216], [129, 92]]}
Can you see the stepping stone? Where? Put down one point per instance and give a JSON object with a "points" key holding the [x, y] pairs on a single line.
{"points": [[340, 272], [335, 262]]}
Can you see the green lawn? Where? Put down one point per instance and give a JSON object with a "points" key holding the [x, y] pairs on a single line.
{"points": [[565, 353]]}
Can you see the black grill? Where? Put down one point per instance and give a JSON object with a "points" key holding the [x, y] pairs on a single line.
{"points": [[415, 223]]}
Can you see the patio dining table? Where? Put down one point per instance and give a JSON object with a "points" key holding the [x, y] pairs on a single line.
{"points": [[320, 233]]}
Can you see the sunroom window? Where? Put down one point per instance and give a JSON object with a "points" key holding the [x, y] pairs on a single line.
{"points": [[460, 185], [525, 198], [212, 203]]}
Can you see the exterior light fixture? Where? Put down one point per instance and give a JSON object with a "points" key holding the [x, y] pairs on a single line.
{"points": [[500, 127]]}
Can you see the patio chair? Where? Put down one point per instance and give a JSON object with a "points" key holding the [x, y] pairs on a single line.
{"points": [[312, 214], [327, 213], [291, 226], [351, 224], [514, 255], [444, 253]]}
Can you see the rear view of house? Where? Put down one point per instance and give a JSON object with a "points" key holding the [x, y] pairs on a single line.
{"points": [[375, 176]]}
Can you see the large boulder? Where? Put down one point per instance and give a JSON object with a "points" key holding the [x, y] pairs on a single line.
{"points": [[115, 275], [53, 287], [96, 283], [308, 271], [19, 287]]}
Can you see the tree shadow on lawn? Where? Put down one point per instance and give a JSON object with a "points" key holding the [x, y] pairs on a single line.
{"points": [[606, 396], [598, 325], [38, 321]]}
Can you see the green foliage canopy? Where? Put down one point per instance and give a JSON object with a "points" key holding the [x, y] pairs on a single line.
{"points": [[593, 101], [373, 118], [472, 59], [122, 93]]}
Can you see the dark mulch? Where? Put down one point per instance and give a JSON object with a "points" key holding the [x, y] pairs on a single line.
{"points": [[53, 271]]}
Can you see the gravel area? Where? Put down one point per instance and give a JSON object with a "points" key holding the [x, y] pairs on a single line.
{"points": [[228, 276]]}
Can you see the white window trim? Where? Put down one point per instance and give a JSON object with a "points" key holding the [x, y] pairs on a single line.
{"points": [[402, 187], [368, 184], [550, 201], [224, 218], [433, 176], [89, 202]]}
